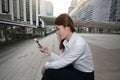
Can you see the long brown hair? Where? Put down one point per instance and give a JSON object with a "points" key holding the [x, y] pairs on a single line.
{"points": [[64, 20]]}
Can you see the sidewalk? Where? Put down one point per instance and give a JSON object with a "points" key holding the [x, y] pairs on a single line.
{"points": [[106, 57], [24, 61]]}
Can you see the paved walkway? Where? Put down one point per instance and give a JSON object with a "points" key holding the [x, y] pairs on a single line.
{"points": [[106, 54], [23, 61]]}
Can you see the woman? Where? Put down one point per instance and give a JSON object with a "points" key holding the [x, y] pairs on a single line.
{"points": [[75, 61]]}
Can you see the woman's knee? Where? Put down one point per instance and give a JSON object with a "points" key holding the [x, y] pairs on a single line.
{"points": [[48, 74], [49, 71]]}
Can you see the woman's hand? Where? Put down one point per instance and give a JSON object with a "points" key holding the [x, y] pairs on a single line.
{"points": [[43, 70], [45, 49]]}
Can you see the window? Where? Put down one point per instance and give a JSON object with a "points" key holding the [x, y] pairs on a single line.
{"points": [[5, 6]]}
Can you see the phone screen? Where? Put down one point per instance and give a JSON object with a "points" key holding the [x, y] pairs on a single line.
{"points": [[38, 43]]}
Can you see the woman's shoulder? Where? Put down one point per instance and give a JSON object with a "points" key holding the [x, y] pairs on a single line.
{"points": [[79, 39]]}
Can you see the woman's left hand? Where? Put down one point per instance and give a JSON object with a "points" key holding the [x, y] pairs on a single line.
{"points": [[43, 70]]}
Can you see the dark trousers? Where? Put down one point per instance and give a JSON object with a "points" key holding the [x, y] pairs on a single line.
{"points": [[67, 73]]}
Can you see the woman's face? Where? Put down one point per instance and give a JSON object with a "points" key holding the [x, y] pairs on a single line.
{"points": [[62, 31]]}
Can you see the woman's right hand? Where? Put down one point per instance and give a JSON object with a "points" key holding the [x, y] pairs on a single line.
{"points": [[43, 70], [45, 49]]}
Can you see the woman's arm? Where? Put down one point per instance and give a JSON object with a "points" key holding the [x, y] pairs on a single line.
{"points": [[45, 49], [54, 56], [67, 59]]}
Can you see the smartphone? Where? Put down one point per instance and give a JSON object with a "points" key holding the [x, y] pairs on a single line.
{"points": [[38, 43]]}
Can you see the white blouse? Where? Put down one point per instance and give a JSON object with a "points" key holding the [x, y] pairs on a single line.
{"points": [[77, 53]]}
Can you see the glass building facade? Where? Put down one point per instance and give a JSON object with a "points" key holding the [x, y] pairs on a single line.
{"points": [[115, 11]]}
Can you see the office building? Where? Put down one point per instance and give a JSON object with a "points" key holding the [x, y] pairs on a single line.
{"points": [[96, 10], [49, 8], [73, 5], [21, 10], [115, 11]]}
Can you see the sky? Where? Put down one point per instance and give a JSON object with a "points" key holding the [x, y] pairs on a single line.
{"points": [[60, 6]]}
